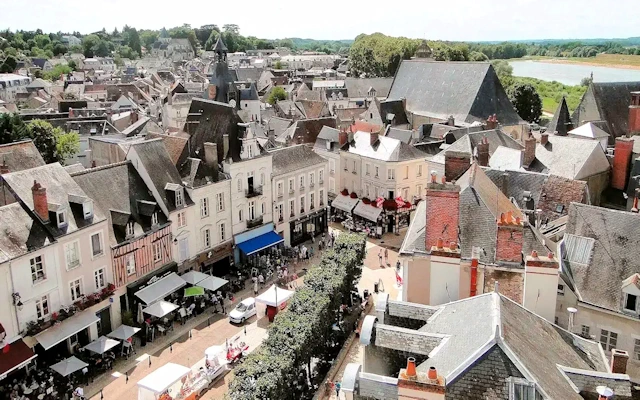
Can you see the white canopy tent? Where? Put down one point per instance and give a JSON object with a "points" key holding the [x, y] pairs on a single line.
{"points": [[160, 289], [367, 211], [274, 296], [162, 379], [193, 277], [160, 309], [124, 332], [66, 329], [344, 203], [212, 283], [101, 345], [69, 366]]}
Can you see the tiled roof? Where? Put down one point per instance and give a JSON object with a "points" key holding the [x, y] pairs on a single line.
{"points": [[20, 233], [294, 158], [571, 157], [175, 145], [359, 87]]}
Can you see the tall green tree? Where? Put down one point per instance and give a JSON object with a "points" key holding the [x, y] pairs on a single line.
{"points": [[526, 101], [276, 94], [44, 135], [67, 144], [134, 41], [8, 65]]}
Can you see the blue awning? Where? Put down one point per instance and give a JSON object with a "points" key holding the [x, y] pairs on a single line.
{"points": [[261, 242]]}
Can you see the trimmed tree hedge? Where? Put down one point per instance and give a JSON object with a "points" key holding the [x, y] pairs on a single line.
{"points": [[304, 330]]}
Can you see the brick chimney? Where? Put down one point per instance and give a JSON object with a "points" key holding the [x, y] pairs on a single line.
{"points": [[343, 137], [40, 203], [509, 239], [373, 138], [483, 152], [621, 163], [634, 114], [211, 158], [544, 138], [492, 122], [451, 121], [455, 164], [619, 360], [4, 169], [529, 150], [442, 209], [419, 385]]}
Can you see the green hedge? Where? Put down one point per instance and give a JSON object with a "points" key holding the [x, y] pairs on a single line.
{"points": [[303, 330]]}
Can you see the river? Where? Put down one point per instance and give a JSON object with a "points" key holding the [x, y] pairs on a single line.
{"points": [[572, 74]]}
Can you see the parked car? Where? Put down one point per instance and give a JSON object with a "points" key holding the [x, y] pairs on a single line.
{"points": [[243, 311]]}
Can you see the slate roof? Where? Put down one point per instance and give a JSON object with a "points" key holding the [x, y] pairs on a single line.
{"points": [[470, 91], [359, 87], [572, 158], [220, 46], [414, 239], [291, 108], [294, 158], [119, 188], [395, 108], [175, 145], [278, 125], [60, 188], [20, 233], [615, 255], [402, 135], [249, 74], [314, 109], [468, 143], [386, 149], [21, 155], [607, 101], [518, 182], [561, 122], [589, 131], [306, 130], [209, 121]]}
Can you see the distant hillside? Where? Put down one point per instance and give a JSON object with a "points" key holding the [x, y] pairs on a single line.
{"points": [[632, 41], [328, 46]]}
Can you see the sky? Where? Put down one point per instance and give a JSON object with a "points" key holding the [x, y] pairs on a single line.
{"points": [[455, 20]]}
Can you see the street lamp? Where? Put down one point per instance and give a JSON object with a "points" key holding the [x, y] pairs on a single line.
{"points": [[16, 300]]}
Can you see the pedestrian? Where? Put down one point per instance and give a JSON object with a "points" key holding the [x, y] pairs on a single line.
{"points": [[311, 252], [255, 288], [337, 386], [380, 257], [398, 265], [261, 280], [386, 256]]}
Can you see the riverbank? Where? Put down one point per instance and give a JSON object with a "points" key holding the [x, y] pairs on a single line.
{"points": [[620, 61]]}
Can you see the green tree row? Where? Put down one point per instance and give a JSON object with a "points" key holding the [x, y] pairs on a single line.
{"points": [[280, 368]]}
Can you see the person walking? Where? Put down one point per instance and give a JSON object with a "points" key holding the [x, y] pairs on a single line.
{"points": [[380, 258], [398, 265], [261, 280], [255, 287], [337, 385]]}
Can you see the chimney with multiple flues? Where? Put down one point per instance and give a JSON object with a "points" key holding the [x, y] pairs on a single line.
{"points": [[456, 163], [509, 238], [621, 163], [40, 202], [418, 385], [442, 209], [619, 359], [343, 137], [529, 150], [492, 122], [483, 152]]}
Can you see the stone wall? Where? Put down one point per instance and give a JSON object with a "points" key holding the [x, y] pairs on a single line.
{"points": [[510, 283]]}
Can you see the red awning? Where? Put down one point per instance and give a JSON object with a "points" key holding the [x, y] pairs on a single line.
{"points": [[16, 356]]}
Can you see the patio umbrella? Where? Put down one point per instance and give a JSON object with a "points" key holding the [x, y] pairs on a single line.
{"points": [[69, 366], [160, 309], [101, 345], [140, 318], [212, 283], [124, 332], [194, 291], [193, 277]]}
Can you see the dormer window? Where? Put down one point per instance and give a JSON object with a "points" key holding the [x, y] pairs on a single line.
{"points": [[522, 389], [129, 229], [87, 209], [61, 218], [179, 198], [154, 219], [631, 303], [631, 294]]}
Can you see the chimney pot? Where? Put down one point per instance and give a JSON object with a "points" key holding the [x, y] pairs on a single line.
{"points": [[544, 138], [550, 255], [453, 246], [502, 218], [509, 217], [434, 177], [440, 243], [534, 254], [411, 367], [619, 359], [517, 220], [432, 374]]}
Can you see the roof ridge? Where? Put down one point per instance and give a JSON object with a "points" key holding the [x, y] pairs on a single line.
{"points": [[100, 168]]}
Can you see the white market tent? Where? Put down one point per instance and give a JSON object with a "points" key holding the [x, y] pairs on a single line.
{"points": [[101, 345], [160, 289], [69, 366], [161, 380], [212, 283], [193, 277], [160, 309], [124, 332], [274, 296]]}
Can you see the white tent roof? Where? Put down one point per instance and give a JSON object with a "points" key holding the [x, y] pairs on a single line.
{"points": [[213, 351], [367, 211], [193, 277], [164, 377], [160, 289], [344, 203], [69, 366], [101, 345], [124, 332], [274, 296], [160, 309], [212, 283], [66, 329]]}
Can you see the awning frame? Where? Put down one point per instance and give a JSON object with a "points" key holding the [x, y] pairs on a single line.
{"points": [[140, 293], [60, 328]]}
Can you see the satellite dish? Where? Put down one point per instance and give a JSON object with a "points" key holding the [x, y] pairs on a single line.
{"points": [[232, 103]]}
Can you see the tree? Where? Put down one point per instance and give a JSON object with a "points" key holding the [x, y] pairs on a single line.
{"points": [[277, 65], [59, 49], [9, 65], [90, 44], [504, 71], [276, 95], [586, 81], [211, 41], [44, 135], [67, 145], [127, 52], [72, 64], [12, 128], [477, 56], [526, 101], [148, 38], [56, 72], [134, 41]]}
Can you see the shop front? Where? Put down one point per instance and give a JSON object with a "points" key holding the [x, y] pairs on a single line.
{"points": [[129, 301], [217, 261], [251, 245], [342, 206], [305, 227], [368, 217]]}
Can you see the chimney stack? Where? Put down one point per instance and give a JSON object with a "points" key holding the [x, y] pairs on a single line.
{"points": [[211, 158], [418, 385], [225, 145], [442, 213], [544, 138], [40, 203], [634, 115], [451, 121], [373, 138], [621, 163], [483, 152], [343, 137], [541, 278], [619, 359], [529, 150], [509, 239], [456, 163], [4, 169], [492, 122]]}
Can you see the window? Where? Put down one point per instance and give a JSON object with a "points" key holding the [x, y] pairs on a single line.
{"points": [[636, 349], [332, 166], [220, 201], [312, 202], [222, 232], [608, 339], [87, 209], [332, 185], [292, 207], [157, 251], [252, 210], [182, 219], [204, 207], [391, 174], [42, 307], [377, 170], [584, 331], [37, 269], [366, 169], [311, 179], [129, 228], [76, 289], [96, 245], [261, 208], [206, 238], [302, 204], [291, 185], [72, 253], [419, 170], [279, 189], [131, 264], [239, 185], [262, 178], [631, 302], [321, 196], [405, 193], [183, 249], [280, 212], [522, 389], [561, 290], [419, 191], [321, 176], [154, 219], [240, 215], [354, 167], [179, 198], [301, 181], [100, 278], [406, 172], [61, 218]]}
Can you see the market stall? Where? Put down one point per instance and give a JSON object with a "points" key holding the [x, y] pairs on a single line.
{"points": [[343, 205], [165, 383], [274, 298]]}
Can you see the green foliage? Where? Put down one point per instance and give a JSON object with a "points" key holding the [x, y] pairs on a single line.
{"points": [[379, 55], [276, 94], [55, 73], [9, 65], [526, 101], [72, 64], [149, 38], [44, 136], [67, 144], [95, 46], [303, 331], [53, 144], [277, 65], [184, 32], [133, 42], [477, 56], [127, 52], [586, 81]]}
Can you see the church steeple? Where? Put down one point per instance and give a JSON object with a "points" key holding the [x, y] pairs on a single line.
{"points": [[220, 49]]}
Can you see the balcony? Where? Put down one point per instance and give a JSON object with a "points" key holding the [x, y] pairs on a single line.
{"points": [[311, 184], [321, 181], [252, 223], [253, 192], [301, 188], [280, 195]]}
